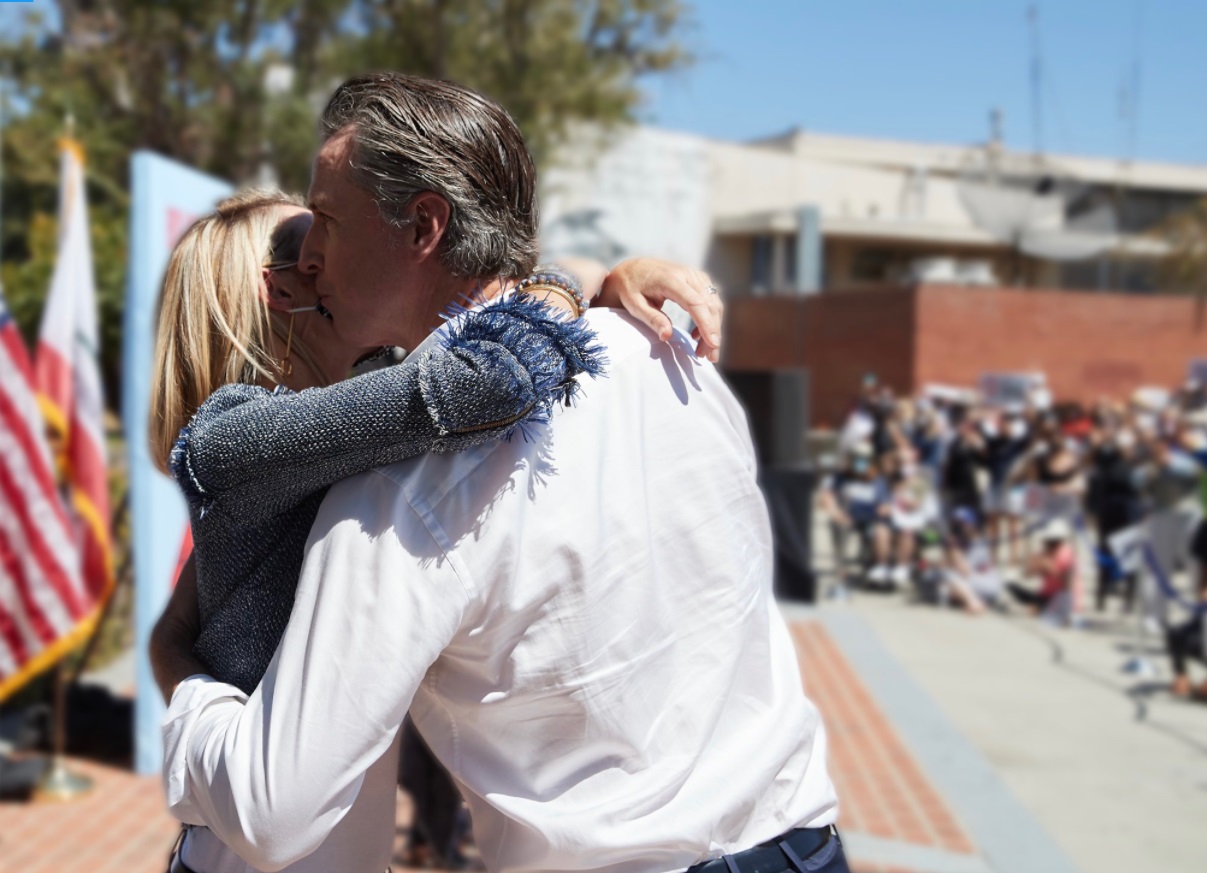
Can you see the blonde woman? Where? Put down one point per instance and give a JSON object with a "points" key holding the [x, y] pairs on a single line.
{"points": [[224, 313]]}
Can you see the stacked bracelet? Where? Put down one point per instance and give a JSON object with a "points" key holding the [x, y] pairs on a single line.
{"points": [[555, 279], [537, 288]]}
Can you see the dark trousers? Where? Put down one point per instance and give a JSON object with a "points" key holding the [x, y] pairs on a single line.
{"points": [[437, 802], [1185, 641], [1110, 521], [803, 850], [1027, 597]]}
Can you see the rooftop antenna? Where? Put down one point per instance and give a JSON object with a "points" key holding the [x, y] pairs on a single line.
{"points": [[1129, 116], [1129, 88], [1037, 78], [1033, 205], [995, 128]]}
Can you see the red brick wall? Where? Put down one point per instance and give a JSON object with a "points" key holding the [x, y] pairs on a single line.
{"points": [[1088, 344], [839, 337]]}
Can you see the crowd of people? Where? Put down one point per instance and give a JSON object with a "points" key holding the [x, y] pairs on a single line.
{"points": [[974, 502]]}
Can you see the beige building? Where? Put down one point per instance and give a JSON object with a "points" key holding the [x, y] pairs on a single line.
{"points": [[803, 212]]}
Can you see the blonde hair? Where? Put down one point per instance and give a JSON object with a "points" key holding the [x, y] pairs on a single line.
{"points": [[214, 323]]}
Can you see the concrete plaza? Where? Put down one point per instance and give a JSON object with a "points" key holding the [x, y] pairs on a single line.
{"points": [[1054, 753]]}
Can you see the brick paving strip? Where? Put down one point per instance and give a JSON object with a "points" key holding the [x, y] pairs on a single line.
{"points": [[890, 812], [887, 807], [120, 826], [1007, 836]]}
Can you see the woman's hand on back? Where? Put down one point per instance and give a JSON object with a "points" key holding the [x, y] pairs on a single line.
{"points": [[643, 285]]}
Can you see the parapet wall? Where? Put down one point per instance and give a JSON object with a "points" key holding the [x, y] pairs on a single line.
{"points": [[1089, 344]]}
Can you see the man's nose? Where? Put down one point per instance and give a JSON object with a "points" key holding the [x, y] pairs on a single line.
{"points": [[310, 258]]}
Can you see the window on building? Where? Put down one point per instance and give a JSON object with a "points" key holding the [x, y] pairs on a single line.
{"points": [[762, 264], [790, 260], [871, 265]]}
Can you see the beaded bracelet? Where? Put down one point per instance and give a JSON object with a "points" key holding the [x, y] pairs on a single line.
{"points": [[558, 280]]}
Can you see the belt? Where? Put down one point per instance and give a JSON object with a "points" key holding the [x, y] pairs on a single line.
{"points": [[175, 865], [790, 851]]}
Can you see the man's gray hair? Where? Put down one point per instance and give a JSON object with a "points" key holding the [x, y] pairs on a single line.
{"points": [[412, 135]]}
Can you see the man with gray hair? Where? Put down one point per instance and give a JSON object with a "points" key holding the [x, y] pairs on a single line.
{"points": [[580, 625]]}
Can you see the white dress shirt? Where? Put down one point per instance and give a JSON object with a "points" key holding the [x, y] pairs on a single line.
{"points": [[581, 625]]}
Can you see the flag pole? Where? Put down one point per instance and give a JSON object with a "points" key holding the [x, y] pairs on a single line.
{"points": [[60, 784], [3, 120]]}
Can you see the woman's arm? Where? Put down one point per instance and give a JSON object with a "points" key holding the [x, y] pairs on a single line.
{"points": [[171, 646], [642, 286], [256, 453], [293, 445]]}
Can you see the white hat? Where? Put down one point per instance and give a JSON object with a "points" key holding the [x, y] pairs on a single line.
{"points": [[861, 449], [1055, 529], [1198, 418]]}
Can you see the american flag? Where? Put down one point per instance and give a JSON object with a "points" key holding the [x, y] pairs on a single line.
{"points": [[44, 608]]}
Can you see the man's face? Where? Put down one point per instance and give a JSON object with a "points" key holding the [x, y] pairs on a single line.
{"points": [[362, 274]]}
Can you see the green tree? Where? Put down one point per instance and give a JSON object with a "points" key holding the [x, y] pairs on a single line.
{"points": [[1185, 267], [550, 62], [233, 87]]}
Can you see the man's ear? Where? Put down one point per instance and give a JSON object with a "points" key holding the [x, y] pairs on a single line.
{"points": [[275, 293], [432, 213]]}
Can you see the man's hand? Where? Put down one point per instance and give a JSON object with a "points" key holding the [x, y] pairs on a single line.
{"points": [[643, 285], [172, 640]]}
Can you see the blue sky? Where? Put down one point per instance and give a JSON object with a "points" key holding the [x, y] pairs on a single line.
{"points": [[931, 70]]}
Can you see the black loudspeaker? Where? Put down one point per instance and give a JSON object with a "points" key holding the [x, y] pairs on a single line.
{"points": [[789, 493], [776, 404]]}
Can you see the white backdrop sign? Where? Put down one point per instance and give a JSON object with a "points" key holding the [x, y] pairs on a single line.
{"points": [[637, 192]]}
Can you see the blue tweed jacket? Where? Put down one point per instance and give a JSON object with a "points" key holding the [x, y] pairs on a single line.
{"points": [[255, 464]]}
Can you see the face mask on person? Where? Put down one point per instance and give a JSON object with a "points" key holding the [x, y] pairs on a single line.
{"points": [[860, 465], [1016, 429], [989, 429], [1125, 439]]}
